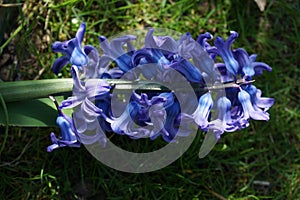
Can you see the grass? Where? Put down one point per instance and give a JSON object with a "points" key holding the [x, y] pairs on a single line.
{"points": [[261, 162]]}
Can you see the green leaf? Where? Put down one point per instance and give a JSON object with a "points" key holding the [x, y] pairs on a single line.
{"points": [[23, 90], [4, 108], [208, 144], [32, 113]]}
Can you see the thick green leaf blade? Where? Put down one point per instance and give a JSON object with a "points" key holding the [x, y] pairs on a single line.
{"points": [[32, 113], [23, 90]]}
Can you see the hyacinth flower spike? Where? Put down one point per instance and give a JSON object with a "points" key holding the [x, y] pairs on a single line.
{"points": [[158, 113], [68, 132], [72, 50]]}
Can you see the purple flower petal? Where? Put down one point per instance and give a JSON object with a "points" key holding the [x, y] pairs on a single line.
{"points": [[166, 43], [68, 136], [91, 89], [115, 51], [158, 115], [92, 68], [115, 73], [149, 40], [224, 122], [80, 32], [263, 102], [259, 67], [224, 75], [189, 71], [61, 47], [257, 100], [104, 62], [117, 44], [59, 63], [87, 125], [244, 62], [189, 48], [123, 124], [249, 110], [224, 50], [78, 57], [72, 50], [169, 130], [202, 40], [202, 112]]}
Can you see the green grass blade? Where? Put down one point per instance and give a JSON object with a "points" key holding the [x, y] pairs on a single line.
{"points": [[5, 122]]}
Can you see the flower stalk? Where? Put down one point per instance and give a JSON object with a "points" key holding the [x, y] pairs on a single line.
{"points": [[25, 90]]}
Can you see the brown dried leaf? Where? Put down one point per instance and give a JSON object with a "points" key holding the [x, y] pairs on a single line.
{"points": [[261, 4]]}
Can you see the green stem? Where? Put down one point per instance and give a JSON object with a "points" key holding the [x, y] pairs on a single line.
{"points": [[23, 90], [10, 38]]}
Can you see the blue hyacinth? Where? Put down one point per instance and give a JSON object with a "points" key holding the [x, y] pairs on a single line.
{"points": [[152, 114]]}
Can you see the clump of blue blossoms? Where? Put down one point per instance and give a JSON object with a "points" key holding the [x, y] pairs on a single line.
{"points": [[222, 78]]}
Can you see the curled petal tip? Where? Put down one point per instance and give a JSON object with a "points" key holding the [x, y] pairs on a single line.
{"points": [[83, 26], [234, 34], [80, 32], [52, 147], [101, 38], [208, 35], [219, 40]]}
